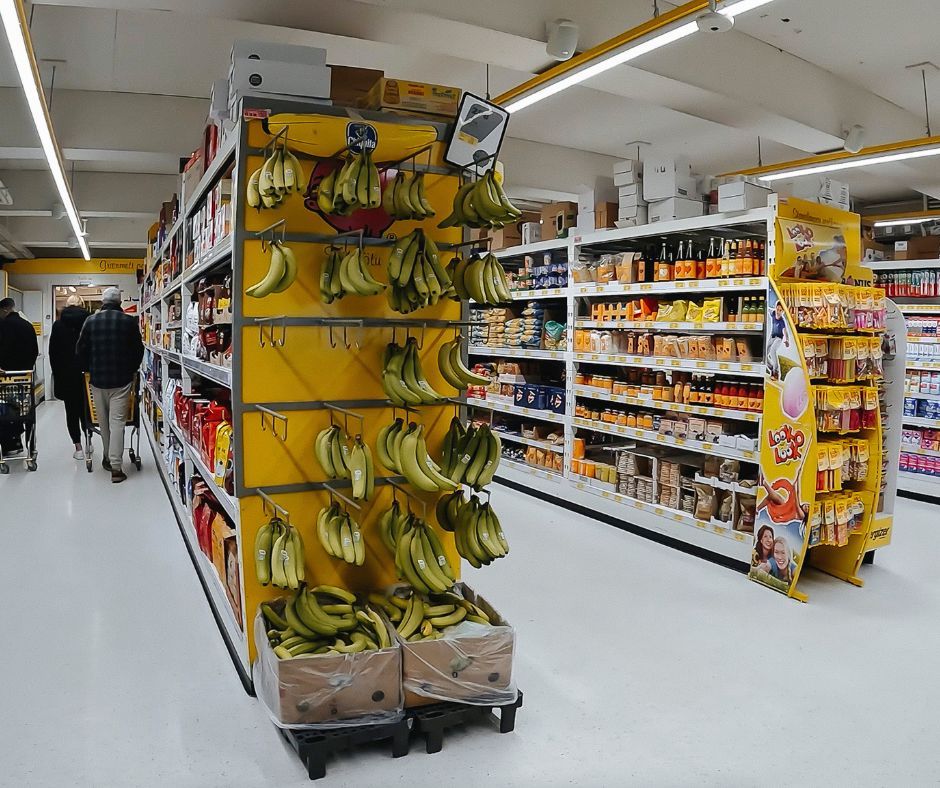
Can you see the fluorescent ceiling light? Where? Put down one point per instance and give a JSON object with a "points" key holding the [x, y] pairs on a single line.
{"points": [[912, 220], [848, 164], [601, 66], [16, 35], [742, 7], [634, 49]]}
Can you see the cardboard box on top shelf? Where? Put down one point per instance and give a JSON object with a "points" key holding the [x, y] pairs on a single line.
{"points": [[822, 189], [274, 78], [631, 200], [350, 85], [675, 208], [918, 248], [218, 100], [667, 177], [872, 251], [285, 53], [557, 217], [639, 218], [630, 211], [510, 235], [741, 196], [422, 98], [629, 167], [605, 214], [590, 195], [193, 171], [460, 669]]}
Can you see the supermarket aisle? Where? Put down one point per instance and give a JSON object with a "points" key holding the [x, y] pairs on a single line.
{"points": [[641, 666]]}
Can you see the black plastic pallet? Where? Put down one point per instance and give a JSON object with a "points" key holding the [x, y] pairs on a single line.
{"points": [[433, 720], [314, 747]]}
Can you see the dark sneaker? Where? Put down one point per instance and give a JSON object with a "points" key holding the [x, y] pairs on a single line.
{"points": [[117, 477], [106, 464]]}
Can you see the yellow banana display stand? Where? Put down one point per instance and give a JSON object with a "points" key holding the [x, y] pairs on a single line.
{"points": [[304, 364], [821, 444]]}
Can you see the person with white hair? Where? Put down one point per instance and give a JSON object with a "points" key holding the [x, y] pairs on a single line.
{"points": [[67, 378], [110, 350]]}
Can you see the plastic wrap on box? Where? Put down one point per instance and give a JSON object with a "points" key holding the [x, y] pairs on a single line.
{"points": [[328, 691], [471, 663]]}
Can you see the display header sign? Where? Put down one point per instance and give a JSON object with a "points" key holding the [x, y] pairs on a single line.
{"points": [[71, 265]]}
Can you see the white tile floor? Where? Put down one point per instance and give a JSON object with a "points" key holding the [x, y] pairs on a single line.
{"points": [[641, 665]]}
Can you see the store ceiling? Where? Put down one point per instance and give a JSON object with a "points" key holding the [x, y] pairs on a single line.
{"points": [[131, 85]]}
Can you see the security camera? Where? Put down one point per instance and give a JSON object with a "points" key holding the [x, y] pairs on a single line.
{"points": [[854, 139], [713, 22], [562, 39]]}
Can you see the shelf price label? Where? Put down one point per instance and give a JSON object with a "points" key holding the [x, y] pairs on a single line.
{"points": [[723, 365], [700, 365]]}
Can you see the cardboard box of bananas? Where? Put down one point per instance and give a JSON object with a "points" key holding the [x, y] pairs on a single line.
{"points": [[455, 645], [308, 640]]}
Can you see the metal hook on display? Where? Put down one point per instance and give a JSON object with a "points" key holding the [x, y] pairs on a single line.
{"points": [[346, 413], [393, 164], [478, 242], [411, 497], [260, 233], [334, 492], [275, 418], [267, 502], [275, 340]]}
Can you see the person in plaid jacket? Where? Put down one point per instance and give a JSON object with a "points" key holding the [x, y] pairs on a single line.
{"points": [[110, 350]]}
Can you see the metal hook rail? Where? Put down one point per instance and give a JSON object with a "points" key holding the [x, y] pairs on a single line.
{"points": [[278, 338], [275, 418], [333, 408], [269, 229], [411, 496], [338, 494], [267, 501]]}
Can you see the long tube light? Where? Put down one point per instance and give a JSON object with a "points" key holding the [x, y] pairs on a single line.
{"points": [[901, 222], [655, 34], [14, 23], [849, 164]]}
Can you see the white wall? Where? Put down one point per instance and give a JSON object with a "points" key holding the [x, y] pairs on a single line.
{"points": [[540, 166]]}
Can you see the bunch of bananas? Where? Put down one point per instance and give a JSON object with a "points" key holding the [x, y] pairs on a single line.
{"points": [[346, 273], [453, 369], [480, 277], [477, 531], [470, 456], [280, 175], [419, 554], [279, 555], [402, 377], [419, 616], [482, 203], [281, 272], [340, 536], [415, 273], [323, 620], [340, 461], [403, 450], [353, 186], [405, 199]]}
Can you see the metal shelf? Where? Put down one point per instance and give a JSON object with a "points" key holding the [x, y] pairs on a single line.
{"points": [[919, 450], [901, 265], [748, 369], [712, 411], [211, 580], [516, 410], [542, 473], [915, 421], [539, 246], [173, 355], [516, 352], [927, 365], [220, 375], [648, 436], [656, 325], [545, 445], [222, 158], [218, 253], [161, 250], [733, 284], [916, 309], [909, 395]]}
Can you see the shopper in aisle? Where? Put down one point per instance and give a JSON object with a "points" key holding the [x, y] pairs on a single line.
{"points": [[68, 379], [110, 350], [19, 350]]}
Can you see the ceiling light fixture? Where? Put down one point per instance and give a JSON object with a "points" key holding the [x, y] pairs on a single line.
{"points": [[910, 220], [14, 23], [658, 32], [852, 163]]}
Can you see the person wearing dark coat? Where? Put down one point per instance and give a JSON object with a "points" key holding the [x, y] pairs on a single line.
{"points": [[19, 350], [67, 377]]}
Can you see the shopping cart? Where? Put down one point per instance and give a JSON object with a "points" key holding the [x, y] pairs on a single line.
{"points": [[18, 409], [132, 421]]}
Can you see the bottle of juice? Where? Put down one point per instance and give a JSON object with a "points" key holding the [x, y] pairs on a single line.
{"points": [[753, 401], [740, 397], [708, 394], [760, 260], [710, 260], [687, 390]]}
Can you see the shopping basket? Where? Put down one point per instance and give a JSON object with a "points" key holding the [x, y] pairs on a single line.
{"points": [[18, 412], [132, 421]]}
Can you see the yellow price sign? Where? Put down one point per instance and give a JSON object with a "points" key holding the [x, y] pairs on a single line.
{"points": [[675, 363], [680, 285], [700, 365], [676, 516], [660, 362], [605, 494], [723, 365], [660, 438], [645, 287], [724, 282]]}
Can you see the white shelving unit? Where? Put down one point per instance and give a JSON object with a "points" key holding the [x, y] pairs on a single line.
{"points": [[576, 490]]}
